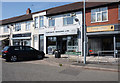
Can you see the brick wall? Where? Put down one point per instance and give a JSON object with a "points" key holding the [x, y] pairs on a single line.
{"points": [[112, 16]]}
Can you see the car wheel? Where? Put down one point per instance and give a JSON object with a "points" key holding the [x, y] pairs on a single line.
{"points": [[13, 58], [39, 57]]}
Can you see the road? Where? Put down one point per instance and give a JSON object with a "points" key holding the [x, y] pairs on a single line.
{"points": [[22, 71]]}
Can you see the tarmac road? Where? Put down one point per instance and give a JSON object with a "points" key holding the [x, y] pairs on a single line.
{"points": [[25, 71]]}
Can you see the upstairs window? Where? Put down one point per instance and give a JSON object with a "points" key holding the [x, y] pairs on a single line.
{"points": [[51, 22], [27, 25], [6, 29], [119, 12], [99, 14], [36, 22], [68, 19], [17, 26], [41, 21]]}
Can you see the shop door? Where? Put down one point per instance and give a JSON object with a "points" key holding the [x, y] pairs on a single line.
{"points": [[62, 44]]}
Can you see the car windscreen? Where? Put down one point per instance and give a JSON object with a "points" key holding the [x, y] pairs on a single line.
{"points": [[5, 48]]}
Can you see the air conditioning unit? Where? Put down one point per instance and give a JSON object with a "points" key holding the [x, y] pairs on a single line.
{"points": [[73, 14]]}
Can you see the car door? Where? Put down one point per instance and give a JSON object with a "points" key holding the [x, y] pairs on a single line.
{"points": [[28, 52], [16, 51]]}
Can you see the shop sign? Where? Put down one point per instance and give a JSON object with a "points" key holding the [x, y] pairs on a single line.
{"points": [[61, 32], [100, 28], [22, 35]]}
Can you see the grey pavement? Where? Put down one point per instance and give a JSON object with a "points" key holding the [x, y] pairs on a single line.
{"points": [[110, 64], [26, 71]]}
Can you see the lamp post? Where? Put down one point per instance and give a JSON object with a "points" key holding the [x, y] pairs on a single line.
{"points": [[84, 35]]}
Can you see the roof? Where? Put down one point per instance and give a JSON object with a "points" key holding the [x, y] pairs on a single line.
{"points": [[54, 11], [74, 7]]}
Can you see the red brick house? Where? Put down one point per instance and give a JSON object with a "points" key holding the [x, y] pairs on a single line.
{"points": [[103, 28]]}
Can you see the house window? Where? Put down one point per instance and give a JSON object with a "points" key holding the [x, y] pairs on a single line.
{"points": [[99, 14], [51, 22], [119, 12], [27, 25], [17, 26], [36, 22], [41, 21], [68, 19], [6, 29]]}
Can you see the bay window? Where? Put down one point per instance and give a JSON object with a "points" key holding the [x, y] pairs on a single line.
{"points": [[99, 14], [36, 22], [68, 19], [17, 26], [51, 22], [41, 21], [27, 26], [6, 29], [119, 12]]}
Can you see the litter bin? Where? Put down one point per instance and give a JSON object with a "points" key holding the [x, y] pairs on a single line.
{"points": [[57, 54]]}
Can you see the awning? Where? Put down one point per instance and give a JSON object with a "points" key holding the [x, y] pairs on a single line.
{"points": [[3, 38], [21, 38]]}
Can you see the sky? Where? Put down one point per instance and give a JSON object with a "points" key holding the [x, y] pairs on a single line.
{"points": [[12, 9]]}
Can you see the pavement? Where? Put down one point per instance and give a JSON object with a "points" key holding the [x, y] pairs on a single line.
{"points": [[92, 62]]}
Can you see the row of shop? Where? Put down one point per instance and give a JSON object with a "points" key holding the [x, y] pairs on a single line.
{"points": [[48, 42]]}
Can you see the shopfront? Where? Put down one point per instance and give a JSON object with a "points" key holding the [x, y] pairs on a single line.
{"points": [[103, 38], [22, 39], [4, 41], [63, 43], [63, 40]]}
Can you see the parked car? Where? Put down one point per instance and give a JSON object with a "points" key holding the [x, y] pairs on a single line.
{"points": [[14, 53]]}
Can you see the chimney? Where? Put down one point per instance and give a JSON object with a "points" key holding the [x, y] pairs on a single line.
{"points": [[28, 11]]}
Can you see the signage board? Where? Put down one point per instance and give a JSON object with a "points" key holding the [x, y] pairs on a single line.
{"points": [[61, 32], [100, 28]]}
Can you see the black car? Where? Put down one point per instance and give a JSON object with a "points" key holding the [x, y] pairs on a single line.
{"points": [[15, 53]]}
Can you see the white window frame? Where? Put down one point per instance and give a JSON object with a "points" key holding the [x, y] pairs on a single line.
{"points": [[41, 21], [65, 17], [28, 23], [97, 11], [5, 29], [18, 27], [119, 12], [50, 19], [36, 22]]}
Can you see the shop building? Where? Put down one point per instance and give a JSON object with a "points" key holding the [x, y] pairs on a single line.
{"points": [[17, 30], [58, 31], [61, 28], [103, 29]]}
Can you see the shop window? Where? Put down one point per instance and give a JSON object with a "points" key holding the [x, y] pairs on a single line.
{"points": [[27, 26], [72, 43], [41, 42], [99, 14], [119, 11], [51, 22], [17, 26], [41, 21], [36, 22], [68, 19], [5, 29]]}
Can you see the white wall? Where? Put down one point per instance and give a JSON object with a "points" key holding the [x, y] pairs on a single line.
{"points": [[58, 26]]}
